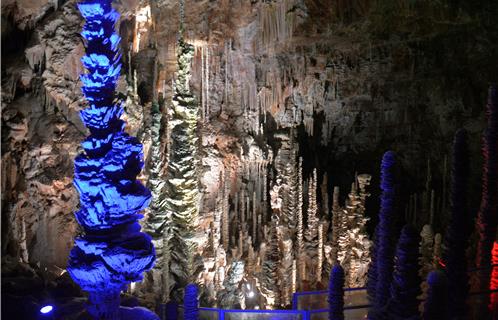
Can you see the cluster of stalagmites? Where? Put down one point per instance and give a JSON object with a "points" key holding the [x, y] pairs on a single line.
{"points": [[393, 283], [113, 252], [267, 237], [264, 243], [269, 255]]}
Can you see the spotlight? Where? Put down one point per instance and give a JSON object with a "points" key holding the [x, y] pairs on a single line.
{"points": [[250, 294], [46, 309]]}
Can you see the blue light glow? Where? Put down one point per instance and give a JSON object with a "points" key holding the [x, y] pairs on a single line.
{"points": [[113, 252], [46, 309]]}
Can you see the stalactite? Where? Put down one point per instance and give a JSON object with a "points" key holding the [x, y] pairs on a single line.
{"points": [[228, 48], [240, 245], [277, 22], [242, 206], [248, 211], [236, 206]]}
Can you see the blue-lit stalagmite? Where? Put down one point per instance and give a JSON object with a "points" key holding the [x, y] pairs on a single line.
{"points": [[113, 252]]}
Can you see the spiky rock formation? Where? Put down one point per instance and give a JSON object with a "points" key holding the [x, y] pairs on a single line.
{"points": [[269, 274], [384, 235], [458, 232], [113, 252], [487, 219], [285, 267], [436, 256], [354, 245], [311, 234], [436, 304], [336, 293], [191, 302], [299, 225], [426, 250], [158, 222], [319, 267], [313, 219], [181, 190], [232, 295], [336, 213], [225, 232], [405, 285]]}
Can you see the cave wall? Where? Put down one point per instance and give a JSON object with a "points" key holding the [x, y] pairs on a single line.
{"points": [[352, 79]]}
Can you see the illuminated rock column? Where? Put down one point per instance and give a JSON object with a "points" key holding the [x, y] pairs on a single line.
{"points": [[113, 252]]}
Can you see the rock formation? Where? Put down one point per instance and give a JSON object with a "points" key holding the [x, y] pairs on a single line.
{"points": [[113, 252]]}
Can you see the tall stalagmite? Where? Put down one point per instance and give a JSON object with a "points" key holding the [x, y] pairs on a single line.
{"points": [[182, 190], [269, 268], [336, 215], [113, 252], [384, 246], [311, 234], [336, 293], [487, 219], [458, 232], [158, 223], [405, 285], [299, 226]]}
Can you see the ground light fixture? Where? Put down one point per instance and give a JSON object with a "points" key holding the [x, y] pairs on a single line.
{"points": [[46, 309]]}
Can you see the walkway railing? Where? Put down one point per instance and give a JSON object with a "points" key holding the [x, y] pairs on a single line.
{"points": [[312, 305]]}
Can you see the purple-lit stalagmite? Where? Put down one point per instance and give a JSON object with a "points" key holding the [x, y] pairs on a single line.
{"points": [[113, 252]]}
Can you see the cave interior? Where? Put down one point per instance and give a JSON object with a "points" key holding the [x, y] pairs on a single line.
{"points": [[249, 159]]}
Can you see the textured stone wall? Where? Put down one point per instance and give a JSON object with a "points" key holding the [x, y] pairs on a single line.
{"points": [[351, 84]]}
